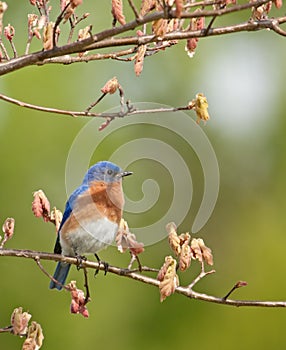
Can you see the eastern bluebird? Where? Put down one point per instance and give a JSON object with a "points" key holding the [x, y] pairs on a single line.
{"points": [[92, 215]]}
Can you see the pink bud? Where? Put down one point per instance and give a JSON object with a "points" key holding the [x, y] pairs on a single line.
{"points": [[9, 32]]}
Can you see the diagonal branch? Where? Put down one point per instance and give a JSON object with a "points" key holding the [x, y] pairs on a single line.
{"points": [[186, 291]]}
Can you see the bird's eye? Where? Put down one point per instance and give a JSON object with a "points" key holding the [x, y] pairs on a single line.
{"points": [[109, 172]]}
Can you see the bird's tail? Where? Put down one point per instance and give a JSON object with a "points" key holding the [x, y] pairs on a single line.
{"points": [[60, 275]]}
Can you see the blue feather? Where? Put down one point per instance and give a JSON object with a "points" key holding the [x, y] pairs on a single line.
{"points": [[60, 275]]}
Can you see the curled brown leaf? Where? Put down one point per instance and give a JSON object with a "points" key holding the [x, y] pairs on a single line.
{"points": [[200, 251], [185, 257], [168, 278], [56, 217], [206, 252], [139, 59], [127, 240], [70, 9], [173, 238], [35, 337], [8, 229], [19, 321], [48, 36], [196, 250], [197, 23], [110, 86], [117, 11], [147, 6]]}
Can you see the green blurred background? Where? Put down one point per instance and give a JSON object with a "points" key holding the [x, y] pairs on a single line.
{"points": [[243, 77]]}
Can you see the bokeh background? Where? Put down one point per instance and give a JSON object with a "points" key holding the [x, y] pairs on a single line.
{"points": [[243, 76]]}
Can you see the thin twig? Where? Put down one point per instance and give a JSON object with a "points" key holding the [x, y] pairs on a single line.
{"points": [[3, 49], [73, 24], [38, 262], [202, 274], [93, 57], [8, 329], [134, 9], [237, 285], [277, 29], [87, 296], [57, 23], [13, 49], [130, 109], [93, 104]]}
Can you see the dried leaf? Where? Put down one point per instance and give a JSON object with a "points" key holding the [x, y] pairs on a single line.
{"points": [[41, 205], [83, 34], [19, 321], [139, 60], [185, 256], [35, 337], [206, 252], [71, 8], [117, 11], [200, 251], [184, 238], [111, 86], [196, 250], [179, 8], [8, 229], [35, 25], [197, 23], [174, 240], [168, 278], [127, 240], [48, 36], [56, 217], [78, 303], [159, 27], [147, 6], [191, 46]]}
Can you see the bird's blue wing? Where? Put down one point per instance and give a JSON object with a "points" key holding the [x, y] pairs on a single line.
{"points": [[68, 209], [70, 203]]}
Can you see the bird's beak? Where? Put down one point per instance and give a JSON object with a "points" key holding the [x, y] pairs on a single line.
{"points": [[126, 173]]}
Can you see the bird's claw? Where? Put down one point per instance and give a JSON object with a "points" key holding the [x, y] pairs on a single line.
{"points": [[104, 263], [80, 259]]}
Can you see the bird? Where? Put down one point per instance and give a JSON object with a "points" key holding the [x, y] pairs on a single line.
{"points": [[91, 217]]}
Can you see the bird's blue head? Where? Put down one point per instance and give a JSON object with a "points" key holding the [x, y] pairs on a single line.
{"points": [[105, 171]]}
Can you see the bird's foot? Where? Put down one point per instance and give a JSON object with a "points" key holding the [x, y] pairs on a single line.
{"points": [[104, 263], [80, 259]]}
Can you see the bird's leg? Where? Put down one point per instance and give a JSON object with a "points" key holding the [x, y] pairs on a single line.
{"points": [[101, 262], [80, 259]]}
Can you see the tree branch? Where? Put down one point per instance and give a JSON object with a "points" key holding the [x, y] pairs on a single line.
{"points": [[134, 275], [106, 38], [120, 114]]}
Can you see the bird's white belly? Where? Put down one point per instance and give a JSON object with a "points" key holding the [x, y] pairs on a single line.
{"points": [[89, 237]]}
